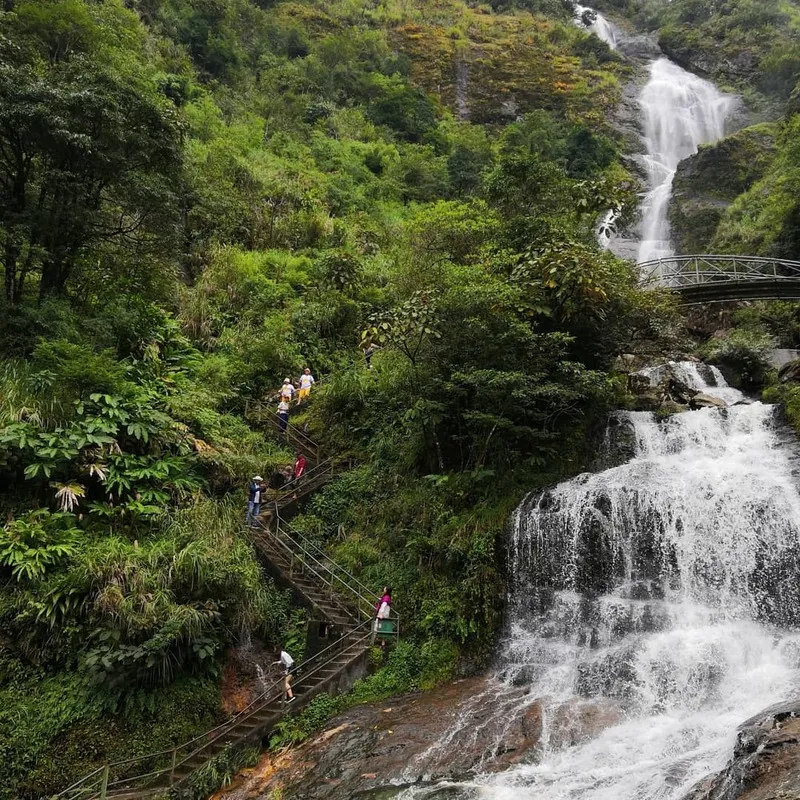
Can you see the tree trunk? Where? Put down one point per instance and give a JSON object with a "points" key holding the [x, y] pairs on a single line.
{"points": [[53, 279], [11, 260]]}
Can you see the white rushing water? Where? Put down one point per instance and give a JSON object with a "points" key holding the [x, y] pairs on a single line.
{"points": [[649, 611], [704, 378], [679, 112], [600, 26]]}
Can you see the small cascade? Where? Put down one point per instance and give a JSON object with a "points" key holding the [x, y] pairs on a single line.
{"points": [[591, 20], [679, 113], [704, 378], [462, 80], [652, 610]]}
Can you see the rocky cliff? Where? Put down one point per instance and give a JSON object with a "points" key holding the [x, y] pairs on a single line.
{"points": [[707, 183]]}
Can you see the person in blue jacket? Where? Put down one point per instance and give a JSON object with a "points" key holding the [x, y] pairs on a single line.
{"points": [[256, 492]]}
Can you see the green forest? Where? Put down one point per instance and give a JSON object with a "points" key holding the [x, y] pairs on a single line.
{"points": [[199, 198]]}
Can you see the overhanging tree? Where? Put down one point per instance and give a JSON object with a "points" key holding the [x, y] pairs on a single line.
{"points": [[89, 153]]}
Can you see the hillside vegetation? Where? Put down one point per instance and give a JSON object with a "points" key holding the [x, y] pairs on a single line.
{"points": [[200, 198]]}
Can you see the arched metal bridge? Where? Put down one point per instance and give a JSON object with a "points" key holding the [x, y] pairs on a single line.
{"points": [[716, 278]]}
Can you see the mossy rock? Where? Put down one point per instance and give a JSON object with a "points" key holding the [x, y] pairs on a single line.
{"points": [[669, 407], [707, 183], [510, 64]]}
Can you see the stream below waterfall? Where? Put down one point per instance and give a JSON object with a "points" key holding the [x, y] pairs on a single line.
{"points": [[649, 612]]}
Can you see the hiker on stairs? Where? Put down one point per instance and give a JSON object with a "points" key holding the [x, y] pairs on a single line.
{"points": [[306, 382], [383, 610], [283, 415], [287, 390], [255, 494], [287, 662]]}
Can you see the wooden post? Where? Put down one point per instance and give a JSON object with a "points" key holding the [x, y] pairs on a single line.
{"points": [[104, 783], [172, 767]]}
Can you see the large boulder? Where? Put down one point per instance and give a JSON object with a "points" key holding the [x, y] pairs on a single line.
{"points": [[790, 373], [656, 386], [765, 763], [708, 182], [706, 401]]}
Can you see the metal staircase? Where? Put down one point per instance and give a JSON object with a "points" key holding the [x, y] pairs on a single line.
{"points": [[167, 773], [336, 594], [324, 583]]}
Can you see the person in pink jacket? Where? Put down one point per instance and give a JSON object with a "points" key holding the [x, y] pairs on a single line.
{"points": [[383, 610]]}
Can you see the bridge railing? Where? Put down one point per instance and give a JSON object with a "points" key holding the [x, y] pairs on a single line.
{"points": [[677, 272]]}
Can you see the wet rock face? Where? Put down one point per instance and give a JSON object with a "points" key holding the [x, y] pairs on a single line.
{"points": [[765, 763], [377, 746]]}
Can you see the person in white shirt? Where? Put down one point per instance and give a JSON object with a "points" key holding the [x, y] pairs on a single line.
{"points": [[283, 415], [287, 662], [287, 390], [306, 382]]}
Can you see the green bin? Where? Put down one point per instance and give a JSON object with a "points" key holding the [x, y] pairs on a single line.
{"points": [[386, 627]]}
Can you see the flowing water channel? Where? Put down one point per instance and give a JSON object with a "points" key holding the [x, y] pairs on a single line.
{"points": [[679, 113], [650, 607]]}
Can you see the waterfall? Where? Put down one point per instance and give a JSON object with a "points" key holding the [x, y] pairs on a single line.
{"points": [[705, 378], [679, 112], [598, 25], [651, 608]]}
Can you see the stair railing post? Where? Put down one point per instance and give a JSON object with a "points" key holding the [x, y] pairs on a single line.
{"points": [[172, 767], [104, 783]]}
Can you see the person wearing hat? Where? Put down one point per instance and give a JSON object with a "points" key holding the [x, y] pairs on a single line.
{"points": [[287, 390], [306, 382], [256, 490]]}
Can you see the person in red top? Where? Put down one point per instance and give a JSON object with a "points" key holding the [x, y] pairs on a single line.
{"points": [[299, 468]]}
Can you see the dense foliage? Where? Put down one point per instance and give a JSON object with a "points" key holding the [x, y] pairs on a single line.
{"points": [[197, 199]]}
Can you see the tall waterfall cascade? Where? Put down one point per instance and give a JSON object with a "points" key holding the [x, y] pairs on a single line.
{"points": [[679, 113], [651, 609]]}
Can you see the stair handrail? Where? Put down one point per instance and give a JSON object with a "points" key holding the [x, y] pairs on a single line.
{"points": [[292, 431], [320, 469], [274, 691], [323, 571], [311, 549], [302, 439], [307, 542]]}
